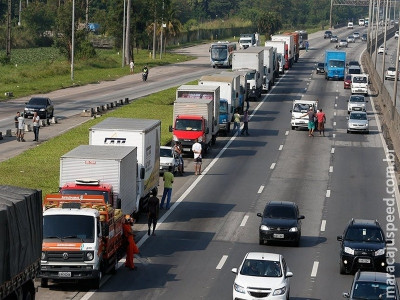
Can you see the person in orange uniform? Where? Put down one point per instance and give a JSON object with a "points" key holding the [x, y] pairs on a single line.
{"points": [[131, 249]]}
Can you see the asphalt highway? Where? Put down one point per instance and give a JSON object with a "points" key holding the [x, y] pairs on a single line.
{"points": [[213, 221]]}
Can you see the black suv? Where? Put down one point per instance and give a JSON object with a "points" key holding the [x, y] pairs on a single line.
{"points": [[363, 246], [327, 34], [373, 285], [319, 68], [281, 221], [43, 106]]}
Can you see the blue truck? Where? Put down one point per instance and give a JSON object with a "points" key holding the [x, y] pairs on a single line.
{"points": [[335, 64]]}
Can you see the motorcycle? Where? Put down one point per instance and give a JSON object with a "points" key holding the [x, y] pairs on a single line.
{"points": [[144, 76]]}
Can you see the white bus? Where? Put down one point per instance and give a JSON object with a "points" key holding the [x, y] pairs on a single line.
{"points": [[221, 54]]}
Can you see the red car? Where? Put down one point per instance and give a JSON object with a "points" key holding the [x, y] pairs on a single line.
{"points": [[347, 82]]}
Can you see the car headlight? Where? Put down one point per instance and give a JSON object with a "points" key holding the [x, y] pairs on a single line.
{"points": [[89, 255], [366, 125], [42, 109], [43, 256], [264, 227], [380, 252], [280, 291], [293, 229], [349, 250], [293, 118], [238, 288], [169, 164]]}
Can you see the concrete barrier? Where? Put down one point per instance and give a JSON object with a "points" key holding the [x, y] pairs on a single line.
{"points": [[54, 120], [126, 101], [121, 101], [8, 133], [104, 107]]}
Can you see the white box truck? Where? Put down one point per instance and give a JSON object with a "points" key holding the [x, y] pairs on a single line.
{"points": [[268, 79], [193, 119], [359, 84], [280, 47], [289, 40], [298, 111], [251, 59], [87, 169], [144, 134]]}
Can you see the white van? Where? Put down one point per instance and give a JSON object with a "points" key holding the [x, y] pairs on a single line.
{"points": [[360, 22], [299, 108], [350, 25]]}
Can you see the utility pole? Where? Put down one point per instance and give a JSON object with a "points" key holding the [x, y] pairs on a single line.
{"points": [[128, 32], [154, 32], [162, 27], [330, 15], [8, 39], [123, 35], [73, 40]]}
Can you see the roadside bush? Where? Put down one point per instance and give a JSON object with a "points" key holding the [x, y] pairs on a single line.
{"points": [[5, 60], [85, 50]]}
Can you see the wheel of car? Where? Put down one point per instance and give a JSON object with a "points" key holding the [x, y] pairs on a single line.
{"points": [[296, 243], [293, 127], [342, 268], [260, 241], [44, 282], [367, 132]]}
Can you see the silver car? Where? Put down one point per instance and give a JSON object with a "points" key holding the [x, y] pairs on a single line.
{"points": [[351, 39], [343, 43], [356, 103], [167, 159], [358, 121]]}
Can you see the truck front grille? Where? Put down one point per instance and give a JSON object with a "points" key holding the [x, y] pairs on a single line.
{"points": [[66, 256]]}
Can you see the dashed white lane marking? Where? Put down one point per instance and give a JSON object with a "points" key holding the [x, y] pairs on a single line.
{"points": [[272, 166], [280, 147], [330, 169], [244, 221], [323, 225], [314, 269], [260, 189], [333, 150], [328, 193], [287, 132], [334, 123], [333, 135], [222, 262], [335, 104], [334, 113]]}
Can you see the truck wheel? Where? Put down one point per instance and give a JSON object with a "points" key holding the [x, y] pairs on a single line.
{"points": [[28, 294], [96, 282], [342, 268], [44, 282]]}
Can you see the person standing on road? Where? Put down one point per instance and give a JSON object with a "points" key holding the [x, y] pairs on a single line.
{"points": [[245, 123], [16, 124], [168, 178], [236, 122], [307, 45], [21, 128], [178, 155], [154, 210], [36, 126], [131, 248], [132, 66], [197, 149], [321, 121], [311, 122]]}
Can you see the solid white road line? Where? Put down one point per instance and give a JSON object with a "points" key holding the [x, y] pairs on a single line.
{"points": [[272, 166], [314, 269], [328, 193], [323, 225], [222, 262], [280, 147], [260, 189], [244, 221]]}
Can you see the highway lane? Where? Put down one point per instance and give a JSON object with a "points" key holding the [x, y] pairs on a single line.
{"points": [[202, 238]]}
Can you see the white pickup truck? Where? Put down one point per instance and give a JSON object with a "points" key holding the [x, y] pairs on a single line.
{"points": [[301, 107], [359, 84]]}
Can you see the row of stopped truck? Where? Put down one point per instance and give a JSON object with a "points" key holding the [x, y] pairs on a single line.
{"points": [[99, 184]]}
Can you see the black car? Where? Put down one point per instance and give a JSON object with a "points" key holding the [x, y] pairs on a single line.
{"points": [[281, 221], [334, 39], [362, 246], [327, 34], [43, 106], [364, 37], [373, 285], [319, 68]]}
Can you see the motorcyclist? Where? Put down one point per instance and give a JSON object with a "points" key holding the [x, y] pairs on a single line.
{"points": [[145, 72]]}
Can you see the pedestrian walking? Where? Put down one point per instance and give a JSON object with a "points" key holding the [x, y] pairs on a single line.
{"points": [[21, 128], [154, 210], [236, 122], [316, 119], [307, 45], [131, 248], [245, 123], [132, 67], [36, 126], [321, 121], [168, 179], [197, 149], [16, 124], [311, 123]]}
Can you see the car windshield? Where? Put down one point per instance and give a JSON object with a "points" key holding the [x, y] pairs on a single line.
{"points": [[320, 65], [359, 79], [373, 291], [348, 77], [358, 116], [354, 63], [392, 69], [165, 152], [360, 234], [38, 101], [301, 107], [354, 71], [343, 41], [261, 268], [357, 99], [280, 212]]}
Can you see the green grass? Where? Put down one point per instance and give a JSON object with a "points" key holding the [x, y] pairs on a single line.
{"points": [[38, 167], [42, 70]]}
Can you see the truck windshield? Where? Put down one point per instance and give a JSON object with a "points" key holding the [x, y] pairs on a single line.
{"points": [[251, 76], [69, 227], [219, 52], [188, 125], [223, 108], [336, 63], [86, 192], [301, 107]]}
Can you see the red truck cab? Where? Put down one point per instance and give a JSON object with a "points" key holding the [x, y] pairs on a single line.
{"points": [[188, 128]]}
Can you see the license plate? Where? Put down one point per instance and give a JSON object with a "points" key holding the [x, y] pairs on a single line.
{"points": [[64, 274], [357, 108], [278, 235], [364, 260]]}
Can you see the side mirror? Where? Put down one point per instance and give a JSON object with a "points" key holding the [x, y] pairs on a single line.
{"points": [[142, 172], [170, 128], [259, 215], [346, 295], [289, 274], [207, 130], [339, 238], [301, 217], [105, 230], [235, 270]]}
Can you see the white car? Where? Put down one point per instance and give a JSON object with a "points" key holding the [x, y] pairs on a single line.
{"points": [[343, 43], [358, 122], [391, 74], [356, 103], [396, 35], [167, 159], [356, 35], [350, 25], [262, 276], [381, 50], [351, 39]]}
